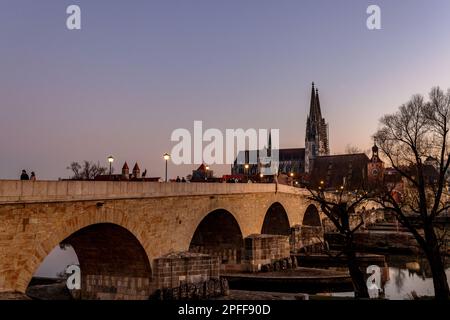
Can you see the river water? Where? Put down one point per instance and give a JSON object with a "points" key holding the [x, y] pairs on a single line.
{"points": [[403, 276]]}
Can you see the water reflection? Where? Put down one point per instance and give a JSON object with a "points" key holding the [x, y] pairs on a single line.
{"points": [[404, 278], [410, 276], [399, 279]]}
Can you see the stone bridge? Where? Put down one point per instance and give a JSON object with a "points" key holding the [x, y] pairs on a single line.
{"points": [[118, 229]]}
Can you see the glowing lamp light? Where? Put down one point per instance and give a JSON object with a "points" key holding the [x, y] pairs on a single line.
{"points": [[166, 157]]}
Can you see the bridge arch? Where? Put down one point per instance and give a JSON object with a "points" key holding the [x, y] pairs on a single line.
{"points": [[311, 217], [276, 221], [219, 234], [74, 225], [113, 263]]}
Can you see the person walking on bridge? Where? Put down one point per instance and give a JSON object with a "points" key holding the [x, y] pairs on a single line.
{"points": [[24, 175]]}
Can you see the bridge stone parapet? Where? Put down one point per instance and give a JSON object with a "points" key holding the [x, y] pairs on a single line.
{"points": [[12, 191]]}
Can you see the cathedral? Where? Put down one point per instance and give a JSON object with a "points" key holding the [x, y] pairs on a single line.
{"points": [[295, 161], [314, 164]]}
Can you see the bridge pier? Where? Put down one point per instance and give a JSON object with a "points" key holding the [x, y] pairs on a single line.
{"points": [[261, 249], [304, 238]]}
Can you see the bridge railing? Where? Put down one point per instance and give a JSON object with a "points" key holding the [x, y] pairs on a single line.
{"points": [[13, 191]]}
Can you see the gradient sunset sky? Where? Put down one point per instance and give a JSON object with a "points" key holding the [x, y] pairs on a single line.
{"points": [[140, 69]]}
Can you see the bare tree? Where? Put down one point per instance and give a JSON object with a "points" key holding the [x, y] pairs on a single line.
{"points": [[338, 207], [350, 149], [87, 171], [417, 132]]}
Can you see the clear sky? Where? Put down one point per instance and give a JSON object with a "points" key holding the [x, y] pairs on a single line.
{"points": [[140, 69]]}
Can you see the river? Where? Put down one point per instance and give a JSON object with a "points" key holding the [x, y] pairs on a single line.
{"points": [[403, 276]]}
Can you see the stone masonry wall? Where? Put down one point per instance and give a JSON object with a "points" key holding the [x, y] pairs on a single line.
{"points": [[174, 269], [369, 217], [230, 259], [263, 249], [304, 236], [402, 242], [105, 287], [295, 239]]}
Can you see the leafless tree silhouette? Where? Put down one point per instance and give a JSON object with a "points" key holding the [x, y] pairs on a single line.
{"points": [[338, 206], [87, 171], [410, 139]]}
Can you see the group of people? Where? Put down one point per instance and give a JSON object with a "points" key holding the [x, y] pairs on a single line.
{"points": [[180, 180], [25, 176]]}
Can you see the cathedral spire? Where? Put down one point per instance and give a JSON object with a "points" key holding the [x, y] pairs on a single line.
{"points": [[316, 138], [312, 106], [269, 148], [319, 112], [270, 140]]}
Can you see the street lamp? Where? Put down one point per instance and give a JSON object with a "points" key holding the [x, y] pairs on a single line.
{"points": [[110, 160], [166, 157], [292, 174], [246, 169], [206, 173]]}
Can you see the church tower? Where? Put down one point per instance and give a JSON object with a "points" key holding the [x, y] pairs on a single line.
{"points": [[125, 171], [375, 168], [316, 138], [136, 171]]}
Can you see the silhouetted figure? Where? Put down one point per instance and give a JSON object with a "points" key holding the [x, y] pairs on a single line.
{"points": [[24, 175], [33, 176], [144, 173], [183, 179], [178, 179]]}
